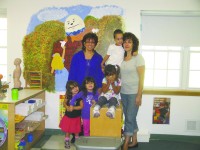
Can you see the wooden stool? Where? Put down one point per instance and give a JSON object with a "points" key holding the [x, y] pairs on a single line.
{"points": [[104, 126]]}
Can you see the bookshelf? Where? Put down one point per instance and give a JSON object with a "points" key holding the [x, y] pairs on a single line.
{"points": [[10, 105], [33, 79]]}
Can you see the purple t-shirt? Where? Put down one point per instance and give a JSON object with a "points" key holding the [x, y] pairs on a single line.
{"points": [[87, 102], [81, 68]]}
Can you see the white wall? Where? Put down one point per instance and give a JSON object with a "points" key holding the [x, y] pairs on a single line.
{"points": [[182, 110], [20, 12]]}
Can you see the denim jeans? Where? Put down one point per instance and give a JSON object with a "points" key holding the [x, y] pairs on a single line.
{"points": [[130, 112]]}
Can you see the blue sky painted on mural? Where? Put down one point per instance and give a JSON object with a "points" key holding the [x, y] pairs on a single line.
{"points": [[61, 13]]}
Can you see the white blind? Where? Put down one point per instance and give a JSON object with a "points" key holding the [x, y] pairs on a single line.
{"points": [[178, 28], [3, 12]]}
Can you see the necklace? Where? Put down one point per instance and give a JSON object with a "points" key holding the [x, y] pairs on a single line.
{"points": [[88, 62]]}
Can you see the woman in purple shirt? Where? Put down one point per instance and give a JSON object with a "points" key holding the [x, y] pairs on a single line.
{"points": [[87, 62]]}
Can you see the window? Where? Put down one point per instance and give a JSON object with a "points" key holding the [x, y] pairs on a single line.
{"points": [[170, 45], [172, 67], [3, 44], [162, 66], [194, 67]]}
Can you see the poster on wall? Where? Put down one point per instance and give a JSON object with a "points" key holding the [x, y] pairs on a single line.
{"points": [[161, 110], [3, 123], [61, 107]]}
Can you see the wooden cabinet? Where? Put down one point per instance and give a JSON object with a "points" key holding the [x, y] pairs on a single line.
{"points": [[24, 95], [33, 79]]}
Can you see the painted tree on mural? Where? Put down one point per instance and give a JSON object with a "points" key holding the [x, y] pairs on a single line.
{"points": [[107, 25], [91, 22], [37, 50]]}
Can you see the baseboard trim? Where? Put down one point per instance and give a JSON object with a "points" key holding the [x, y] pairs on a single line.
{"points": [[53, 132], [178, 138]]}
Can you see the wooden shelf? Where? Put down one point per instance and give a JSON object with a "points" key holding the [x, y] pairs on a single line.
{"points": [[37, 134], [24, 95]]}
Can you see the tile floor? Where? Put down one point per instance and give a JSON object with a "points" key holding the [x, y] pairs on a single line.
{"points": [[157, 142], [56, 142]]}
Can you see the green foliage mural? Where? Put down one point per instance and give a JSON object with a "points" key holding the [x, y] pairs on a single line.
{"points": [[107, 25], [37, 50]]}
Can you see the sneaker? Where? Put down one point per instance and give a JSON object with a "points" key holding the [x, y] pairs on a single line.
{"points": [[96, 113], [67, 145], [111, 113]]}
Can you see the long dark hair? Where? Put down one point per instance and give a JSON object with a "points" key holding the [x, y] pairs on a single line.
{"points": [[69, 86], [134, 39], [90, 35], [112, 70], [88, 80]]}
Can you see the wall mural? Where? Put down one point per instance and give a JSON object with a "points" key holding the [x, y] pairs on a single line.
{"points": [[54, 34]]}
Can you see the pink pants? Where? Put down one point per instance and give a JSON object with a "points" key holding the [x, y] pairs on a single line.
{"points": [[86, 127]]}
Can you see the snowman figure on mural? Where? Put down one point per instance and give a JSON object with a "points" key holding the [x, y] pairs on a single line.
{"points": [[75, 30]]}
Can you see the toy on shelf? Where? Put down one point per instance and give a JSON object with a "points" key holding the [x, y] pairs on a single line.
{"points": [[22, 145], [33, 79], [17, 73], [19, 118]]}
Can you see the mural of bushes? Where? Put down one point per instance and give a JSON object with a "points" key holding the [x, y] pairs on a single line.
{"points": [[37, 50], [91, 22], [107, 25]]}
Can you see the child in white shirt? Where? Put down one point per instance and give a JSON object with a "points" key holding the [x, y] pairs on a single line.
{"points": [[115, 53]]}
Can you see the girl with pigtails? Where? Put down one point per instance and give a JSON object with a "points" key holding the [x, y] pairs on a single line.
{"points": [[111, 86]]}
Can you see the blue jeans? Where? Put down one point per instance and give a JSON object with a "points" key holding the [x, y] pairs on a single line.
{"points": [[130, 112]]}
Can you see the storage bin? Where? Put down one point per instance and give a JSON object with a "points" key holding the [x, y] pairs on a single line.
{"points": [[98, 143]]}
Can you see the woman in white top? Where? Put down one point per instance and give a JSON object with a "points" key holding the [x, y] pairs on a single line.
{"points": [[132, 77]]}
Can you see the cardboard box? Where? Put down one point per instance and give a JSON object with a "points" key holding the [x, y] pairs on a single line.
{"points": [[104, 126]]}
